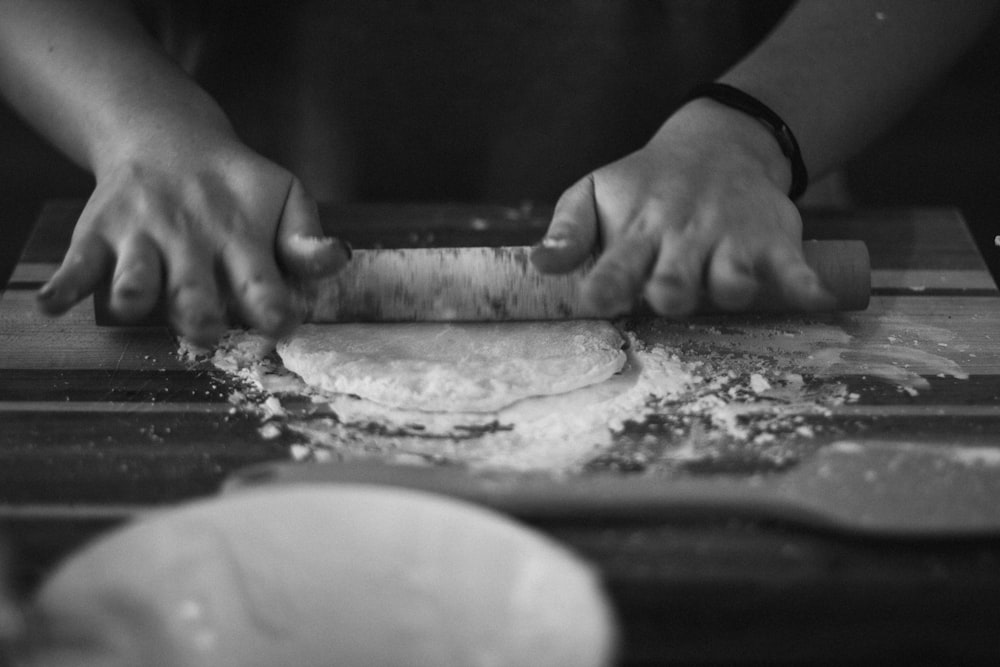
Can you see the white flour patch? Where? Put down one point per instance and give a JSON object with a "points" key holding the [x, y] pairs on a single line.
{"points": [[893, 348], [938, 453], [910, 355], [846, 447], [976, 456], [902, 366]]}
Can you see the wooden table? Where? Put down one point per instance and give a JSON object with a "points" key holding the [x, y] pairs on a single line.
{"points": [[880, 540]]}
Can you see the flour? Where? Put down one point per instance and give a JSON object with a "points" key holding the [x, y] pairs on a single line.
{"points": [[892, 349], [972, 456], [660, 411], [897, 364]]}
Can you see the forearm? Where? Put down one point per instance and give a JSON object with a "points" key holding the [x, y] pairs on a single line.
{"points": [[90, 79], [703, 209], [841, 72]]}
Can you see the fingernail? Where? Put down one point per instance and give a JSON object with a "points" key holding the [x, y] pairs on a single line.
{"points": [[556, 242], [49, 293], [125, 287], [308, 244]]}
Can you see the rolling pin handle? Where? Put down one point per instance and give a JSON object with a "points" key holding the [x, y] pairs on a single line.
{"points": [[844, 269]]}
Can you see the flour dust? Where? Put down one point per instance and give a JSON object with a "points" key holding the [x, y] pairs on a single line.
{"points": [[663, 411]]}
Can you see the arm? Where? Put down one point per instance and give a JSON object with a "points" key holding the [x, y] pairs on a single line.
{"points": [[703, 207], [180, 204], [840, 73]]}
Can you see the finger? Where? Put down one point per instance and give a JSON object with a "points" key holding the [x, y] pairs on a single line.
{"points": [[256, 284], [196, 310], [572, 233], [731, 282], [136, 282], [302, 248], [612, 285], [797, 285], [86, 262], [675, 286]]}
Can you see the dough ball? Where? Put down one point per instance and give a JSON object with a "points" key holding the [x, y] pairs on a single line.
{"points": [[321, 575]]}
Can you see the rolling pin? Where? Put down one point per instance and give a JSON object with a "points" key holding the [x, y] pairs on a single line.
{"points": [[500, 283]]}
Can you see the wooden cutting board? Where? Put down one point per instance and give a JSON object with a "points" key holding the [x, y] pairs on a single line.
{"points": [[98, 425], [897, 460]]}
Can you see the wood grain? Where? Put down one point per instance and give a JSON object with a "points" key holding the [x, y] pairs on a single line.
{"points": [[98, 425]]}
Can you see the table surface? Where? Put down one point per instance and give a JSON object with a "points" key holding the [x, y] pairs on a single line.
{"points": [[879, 538]]}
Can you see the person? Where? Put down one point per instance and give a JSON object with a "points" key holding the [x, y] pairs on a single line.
{"points": [[702, 210]]}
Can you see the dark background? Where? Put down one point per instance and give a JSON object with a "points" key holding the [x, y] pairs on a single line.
{"points": [[444, 101]]}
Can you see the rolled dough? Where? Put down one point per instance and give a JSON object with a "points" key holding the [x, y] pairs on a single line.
{"points": [[477, 367]]}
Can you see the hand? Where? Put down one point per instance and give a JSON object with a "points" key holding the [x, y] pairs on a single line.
{"points": [[207, 222], [700, 212]]}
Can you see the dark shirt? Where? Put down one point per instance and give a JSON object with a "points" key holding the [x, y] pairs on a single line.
{"points": [[463, 99]]}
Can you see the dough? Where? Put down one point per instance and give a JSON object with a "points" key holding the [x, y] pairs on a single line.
{"points": [[317, 575], [480, 367]]}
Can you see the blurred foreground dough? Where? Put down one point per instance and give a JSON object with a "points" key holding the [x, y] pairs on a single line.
{"points": [[323, 575]]}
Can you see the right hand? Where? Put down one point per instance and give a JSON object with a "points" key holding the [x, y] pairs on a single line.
{"points": [[698, 214], [204, 220]]}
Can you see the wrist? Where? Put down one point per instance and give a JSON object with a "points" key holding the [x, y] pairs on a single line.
{"points": [[163, 134], [738, 99], [730, 136]]}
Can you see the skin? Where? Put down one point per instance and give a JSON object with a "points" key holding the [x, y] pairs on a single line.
{"points": [[679, 219], [701, 212], [181, 207]]}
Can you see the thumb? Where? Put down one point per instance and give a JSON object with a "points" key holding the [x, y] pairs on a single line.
{"points": [[572, 232], [302, 247]]}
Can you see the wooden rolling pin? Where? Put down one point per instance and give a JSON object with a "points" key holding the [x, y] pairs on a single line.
{"points": [[491, 284], [844, 268]]}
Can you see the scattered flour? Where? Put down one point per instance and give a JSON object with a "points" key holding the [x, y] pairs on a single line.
{"points": [[976, 456], [970, 456], [659, 411]]}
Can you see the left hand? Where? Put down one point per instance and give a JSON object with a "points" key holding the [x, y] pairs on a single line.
{"points": [[206, 222], [700, 212]]}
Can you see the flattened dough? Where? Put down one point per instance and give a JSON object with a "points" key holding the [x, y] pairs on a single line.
{"points": [[480, 367]]}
